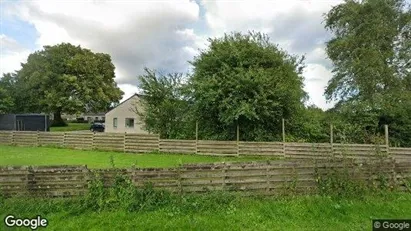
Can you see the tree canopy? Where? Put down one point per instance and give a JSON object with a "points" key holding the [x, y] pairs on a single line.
{"points": [[165, 109], [370, 49], [244, 79], [371, 53], [66, 79]]}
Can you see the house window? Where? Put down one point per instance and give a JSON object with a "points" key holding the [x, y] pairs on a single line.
{"points": [[96, 118], [129, 123], [114, 122]]}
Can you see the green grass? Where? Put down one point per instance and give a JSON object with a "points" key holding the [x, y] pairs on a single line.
{"points": [[71, 127], [219, 212], [36, 156]]}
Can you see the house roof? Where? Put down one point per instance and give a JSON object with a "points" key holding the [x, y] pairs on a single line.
{"points": [[135, 94]]}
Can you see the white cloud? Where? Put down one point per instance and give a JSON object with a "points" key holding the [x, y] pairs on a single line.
{"points": [[11, 54], [162, 34], [316, 79], [129, 90], [136, 34]]}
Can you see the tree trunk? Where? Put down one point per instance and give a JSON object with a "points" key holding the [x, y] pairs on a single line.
{"points": [[57, 120]]}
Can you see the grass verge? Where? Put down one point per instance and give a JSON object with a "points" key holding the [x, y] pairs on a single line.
{"points": [[37, 156], [219, 211]]}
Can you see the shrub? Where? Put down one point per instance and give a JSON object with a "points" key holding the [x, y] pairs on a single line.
{"points": [[122, 194]]}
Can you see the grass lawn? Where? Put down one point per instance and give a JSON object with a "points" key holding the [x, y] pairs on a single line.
{"points": [[207, 212], [71, 127], [35, 156]]}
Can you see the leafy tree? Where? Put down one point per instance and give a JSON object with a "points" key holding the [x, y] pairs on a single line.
{"points": [[246, 80], [166, 109], [370, 50], [6, 102], [311, 125], [7, 96], [371, 53], [67, 79]]}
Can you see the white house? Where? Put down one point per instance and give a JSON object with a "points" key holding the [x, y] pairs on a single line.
{"points": [[124, 118]]}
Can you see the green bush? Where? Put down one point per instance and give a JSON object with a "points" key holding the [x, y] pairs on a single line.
{"points": [[122, 194]]}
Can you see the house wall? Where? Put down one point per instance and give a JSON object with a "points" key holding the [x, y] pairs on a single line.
{"points": [[121, 112]]}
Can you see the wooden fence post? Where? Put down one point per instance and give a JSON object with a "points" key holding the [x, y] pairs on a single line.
{"points": [[387, 143], [64, 139], [124, 141], [224, 171], [331, 134], [283, 131], [92, 141], [238, 140], [158, 142], [386, 135], [12, 138], [267, 178], [196, 137], [38, 138], [332, 139], [283, 128]]}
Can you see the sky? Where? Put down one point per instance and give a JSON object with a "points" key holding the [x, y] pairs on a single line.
{"points": [[165, 35]]}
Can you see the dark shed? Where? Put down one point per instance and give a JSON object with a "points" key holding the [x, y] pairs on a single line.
{"points": [[25, 122]]}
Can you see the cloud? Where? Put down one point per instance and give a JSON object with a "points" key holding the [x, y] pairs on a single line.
{"points": [[317, 77], [11, 54], [135, 33], [165, 35]]}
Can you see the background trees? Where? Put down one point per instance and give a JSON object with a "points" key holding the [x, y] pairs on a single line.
{"points": [[240, 79], [371, 53], [166, 108], [244, 79], [65, 79]]}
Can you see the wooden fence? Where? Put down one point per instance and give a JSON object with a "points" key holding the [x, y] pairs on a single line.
{"points": [[139, 143], [273, 177]]}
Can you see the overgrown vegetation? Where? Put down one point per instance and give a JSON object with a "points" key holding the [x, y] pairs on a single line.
{"points": [[347, 177], [147, 209]]}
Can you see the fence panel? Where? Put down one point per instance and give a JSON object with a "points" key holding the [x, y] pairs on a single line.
{"points": [[212, 147], [6, 138], [178, 146], [261, 148], [78, 140], [401, 154], [51, 138], [58, 181], [140, 143], [308, 150], [359, 151], [25, 138], [13, 181], [109, 141]]}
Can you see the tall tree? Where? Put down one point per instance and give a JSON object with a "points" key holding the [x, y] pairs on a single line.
{"points": [[370, 50], [244, 79], [7, 93], [166, 109], [6, 102], [68, 79], [371, 53]]}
